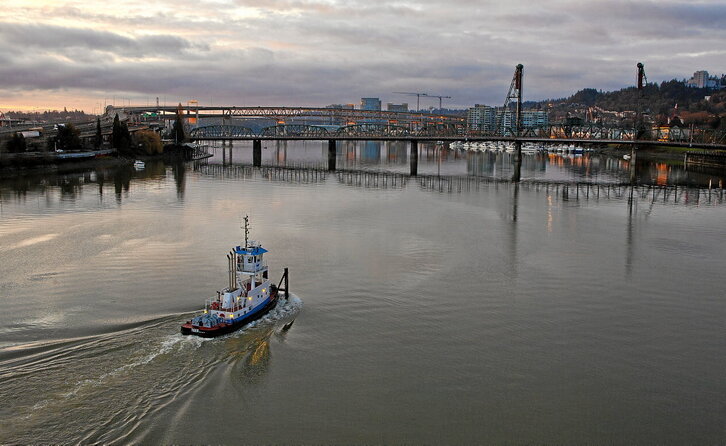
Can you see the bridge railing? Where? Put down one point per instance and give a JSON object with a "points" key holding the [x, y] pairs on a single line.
{"points": [[221, 131]]}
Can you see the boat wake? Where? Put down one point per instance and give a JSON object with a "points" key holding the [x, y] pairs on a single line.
{"points": [[116, 383]]}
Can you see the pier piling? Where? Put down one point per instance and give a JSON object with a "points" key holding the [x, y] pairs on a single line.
{"points": [[332, 155], [414, 158], [256, 153]]}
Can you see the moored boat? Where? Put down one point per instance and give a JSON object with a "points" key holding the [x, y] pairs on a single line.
{"points": [[249, 295]]}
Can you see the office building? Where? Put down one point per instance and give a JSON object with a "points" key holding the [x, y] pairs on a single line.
{"points": [[370, 104], [490, 119], [397, 107]]}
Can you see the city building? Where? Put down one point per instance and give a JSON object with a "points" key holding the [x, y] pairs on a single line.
{"points": [[481, 117], [534, 118], [370, 104], [489, 119], [397, 107], [701, 79], [341, 106]]}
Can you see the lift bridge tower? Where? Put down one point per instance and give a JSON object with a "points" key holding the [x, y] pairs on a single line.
{"points": [[639, 131], [514, 98]]}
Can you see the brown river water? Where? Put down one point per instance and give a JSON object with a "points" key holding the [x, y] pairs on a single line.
{"points": [[450, 308]]}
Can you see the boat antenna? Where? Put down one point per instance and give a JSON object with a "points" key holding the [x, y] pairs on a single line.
{"points": [[247, 229]]}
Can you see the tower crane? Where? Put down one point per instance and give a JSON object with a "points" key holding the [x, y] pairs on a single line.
{"points": [[418, 96], [437, 96]]}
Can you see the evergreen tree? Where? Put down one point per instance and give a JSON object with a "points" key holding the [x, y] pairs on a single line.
{"points": [[17, 144], [115, 131], [125, 145], [98, 139], [68, 138], [178, 129], [120, 137]]}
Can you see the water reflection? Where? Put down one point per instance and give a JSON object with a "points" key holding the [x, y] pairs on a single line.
{"points": [[395, 156], [601, 175], [70, 185], [250, 353], [629, 239]]}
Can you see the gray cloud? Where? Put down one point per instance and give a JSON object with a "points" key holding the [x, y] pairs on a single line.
{"points": [[41, 37], [320, 52]]}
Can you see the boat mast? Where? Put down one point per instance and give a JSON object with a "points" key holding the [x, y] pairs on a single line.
{"points": [[247, 229]]}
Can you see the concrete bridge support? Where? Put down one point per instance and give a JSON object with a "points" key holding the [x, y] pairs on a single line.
{"points": [[633, 153], [332, 154], [414, 158], [256, 153]]}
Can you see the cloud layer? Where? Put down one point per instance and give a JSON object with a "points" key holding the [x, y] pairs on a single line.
{"points": [[317, 52]]}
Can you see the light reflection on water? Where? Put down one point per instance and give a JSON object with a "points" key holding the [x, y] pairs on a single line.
{"points": [[436, 309], [441, 160]]}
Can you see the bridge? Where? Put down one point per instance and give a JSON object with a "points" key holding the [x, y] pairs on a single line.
{"points": [[322, 114], [550, 134], [335, 124]]}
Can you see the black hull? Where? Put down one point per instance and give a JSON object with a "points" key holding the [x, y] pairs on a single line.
{"points": [[186, 329]]}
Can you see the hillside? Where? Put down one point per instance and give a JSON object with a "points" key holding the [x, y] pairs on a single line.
{"points": [[699, 106]]}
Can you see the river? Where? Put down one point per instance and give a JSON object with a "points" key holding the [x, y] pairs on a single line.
{"points": [[450, 308]]}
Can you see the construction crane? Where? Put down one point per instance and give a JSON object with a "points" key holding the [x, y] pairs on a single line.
{"points": [[418, 96], [437, 96]]}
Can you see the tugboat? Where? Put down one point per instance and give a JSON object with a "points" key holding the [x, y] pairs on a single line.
{"points": [[248, 296]]}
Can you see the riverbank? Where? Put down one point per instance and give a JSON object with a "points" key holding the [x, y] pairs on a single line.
{"points": [[13, 165], [65, 167], [656, 153]]}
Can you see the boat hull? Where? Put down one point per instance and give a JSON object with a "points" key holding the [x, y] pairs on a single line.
{"points": [[222, 329]]}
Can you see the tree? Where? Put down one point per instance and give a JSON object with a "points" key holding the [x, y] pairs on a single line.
{"points": [[98, 139], [120, 137], [68, 138], [17, 144], [148, 142], [115, 131], [178, 129]]}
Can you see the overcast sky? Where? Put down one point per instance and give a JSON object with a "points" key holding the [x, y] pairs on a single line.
{"points": [[81, 54]]}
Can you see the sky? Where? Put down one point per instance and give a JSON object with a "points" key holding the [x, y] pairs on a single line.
{"points": [[85, 54]]}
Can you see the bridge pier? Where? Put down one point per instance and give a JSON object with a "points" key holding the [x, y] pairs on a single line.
{"points": [[633, 151], [517, 175], [257, 153], [332, 154], [414, 158]]}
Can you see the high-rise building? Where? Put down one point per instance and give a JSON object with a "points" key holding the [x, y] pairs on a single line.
{"points": [[370, 104], [534, 118], [489, 119], [397, 107], [699, 79], [481, 117]]}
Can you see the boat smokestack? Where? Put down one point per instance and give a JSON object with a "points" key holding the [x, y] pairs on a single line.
{"points": [[229, 272], [233, 285]]}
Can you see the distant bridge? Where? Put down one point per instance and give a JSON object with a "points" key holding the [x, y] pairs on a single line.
{"points": [[322, 114], [557, 134]]}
